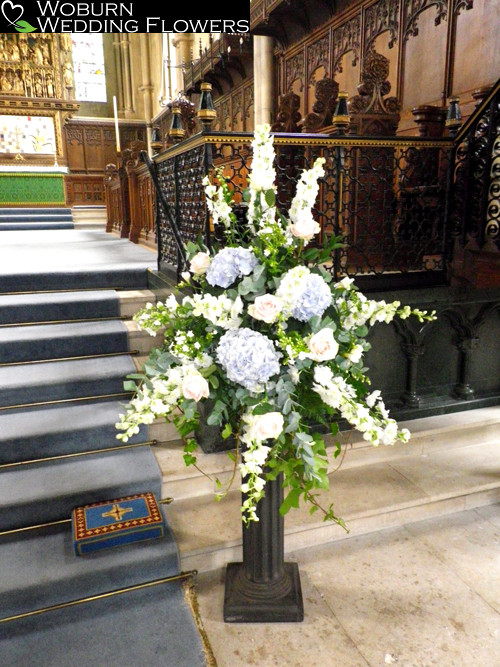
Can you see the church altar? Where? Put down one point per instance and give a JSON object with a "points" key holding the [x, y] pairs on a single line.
{"points": [[32, 186]]}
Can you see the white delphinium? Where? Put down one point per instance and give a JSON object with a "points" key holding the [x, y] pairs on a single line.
{"points": [[160, 396], [372, 419], [303, 225], [217, 205], [257, 429], [261, 179]]}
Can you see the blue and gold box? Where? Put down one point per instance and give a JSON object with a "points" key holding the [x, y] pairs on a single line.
{"points": [[113, 523]]}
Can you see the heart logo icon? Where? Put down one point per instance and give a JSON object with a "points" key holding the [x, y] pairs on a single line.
{"points": [[12, 11]]}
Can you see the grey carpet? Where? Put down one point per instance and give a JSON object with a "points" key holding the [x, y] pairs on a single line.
{"points": [[58, 341], [61, 380], [33, 433], [48, 491], [26, 586], [57, 306], [16, 219], [149, 627], [144, 628]]}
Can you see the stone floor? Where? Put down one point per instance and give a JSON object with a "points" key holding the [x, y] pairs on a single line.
{"points": [[420, 595]]}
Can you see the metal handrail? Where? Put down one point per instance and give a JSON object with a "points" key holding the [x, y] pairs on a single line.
{"points": [[165, 206]]}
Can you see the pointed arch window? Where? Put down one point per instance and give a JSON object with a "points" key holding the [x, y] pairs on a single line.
{"points": [[88, 63]]}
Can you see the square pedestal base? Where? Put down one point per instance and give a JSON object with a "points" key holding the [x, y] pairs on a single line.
{"points": [[241, 607]]}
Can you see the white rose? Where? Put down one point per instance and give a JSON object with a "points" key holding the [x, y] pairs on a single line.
{"points": [[200, 263], [266, 426], [194, 387], [305, 226], [323, 346], [266, 308]]}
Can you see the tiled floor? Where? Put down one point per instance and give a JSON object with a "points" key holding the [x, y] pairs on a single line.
{"points": [[416, 596]]}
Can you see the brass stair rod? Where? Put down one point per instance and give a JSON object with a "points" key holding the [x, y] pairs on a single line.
{"points": [[59, 522], [101, 596], [88, 452], [111, 318], [87, 356], [67, 400]]}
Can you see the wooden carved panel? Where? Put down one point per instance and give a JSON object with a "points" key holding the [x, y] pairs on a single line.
{"points": [[347, 37], [382, 16], [295, 71], [412, 10], [318, 55]]}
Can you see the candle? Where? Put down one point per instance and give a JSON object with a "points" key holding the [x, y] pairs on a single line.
{"points": [[116, 125]]}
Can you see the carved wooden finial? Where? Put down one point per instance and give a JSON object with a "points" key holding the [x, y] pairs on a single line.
{"points": [[326, 91], [288, 115]]}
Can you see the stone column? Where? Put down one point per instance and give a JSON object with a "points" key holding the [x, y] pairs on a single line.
{"points": [[118, 65], [183, 43], [264, 76], [126, 75], [146, 87]]}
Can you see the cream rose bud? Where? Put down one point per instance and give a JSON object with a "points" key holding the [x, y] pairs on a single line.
{"points": [[323, 346], [267, 426], [266, 308], [195, 387], [305, 226], [200, 263]]}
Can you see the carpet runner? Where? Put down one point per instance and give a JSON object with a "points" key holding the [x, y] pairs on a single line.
{"points": [[35, 218], [63, 358]]}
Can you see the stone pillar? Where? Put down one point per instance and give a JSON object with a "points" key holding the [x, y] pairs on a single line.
{"points": [[118, 65], [264, 75], [183, 43], [126, 76], [146, 87]]}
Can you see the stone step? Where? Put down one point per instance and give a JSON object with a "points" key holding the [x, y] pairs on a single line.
{"points": [[133, 300], [89, 217], [45, 491], [40, 568], [368, 497], [62, 340], [429, 435]]}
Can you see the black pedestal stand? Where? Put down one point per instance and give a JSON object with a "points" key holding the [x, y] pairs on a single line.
{"points": [[264, 589]]}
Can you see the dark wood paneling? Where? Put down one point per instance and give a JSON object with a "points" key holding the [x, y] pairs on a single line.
{"points": [[91, 144]]}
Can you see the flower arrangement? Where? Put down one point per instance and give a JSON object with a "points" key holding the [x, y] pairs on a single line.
{"points": [[268, 339]]}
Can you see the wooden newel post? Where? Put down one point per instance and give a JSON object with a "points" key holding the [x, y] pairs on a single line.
{"points": [[263, 588]]}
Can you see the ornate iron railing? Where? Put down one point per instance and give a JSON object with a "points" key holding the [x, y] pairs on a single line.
{"points": [[475, 211], [386, 198]]}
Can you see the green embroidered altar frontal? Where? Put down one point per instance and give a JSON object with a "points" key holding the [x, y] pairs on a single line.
{"points": [[113, 523], [36, 188]]}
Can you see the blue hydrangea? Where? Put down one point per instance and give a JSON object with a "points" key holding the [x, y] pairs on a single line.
{"points": [[230, 264], [313, 300], [248, 358]]}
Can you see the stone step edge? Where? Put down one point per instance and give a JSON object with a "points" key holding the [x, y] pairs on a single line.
{"points": [[216, 557], [220, 463]]}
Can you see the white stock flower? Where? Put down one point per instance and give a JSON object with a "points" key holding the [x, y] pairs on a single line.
{"points": [[354, 355], [345, 283], [220, 310]]}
